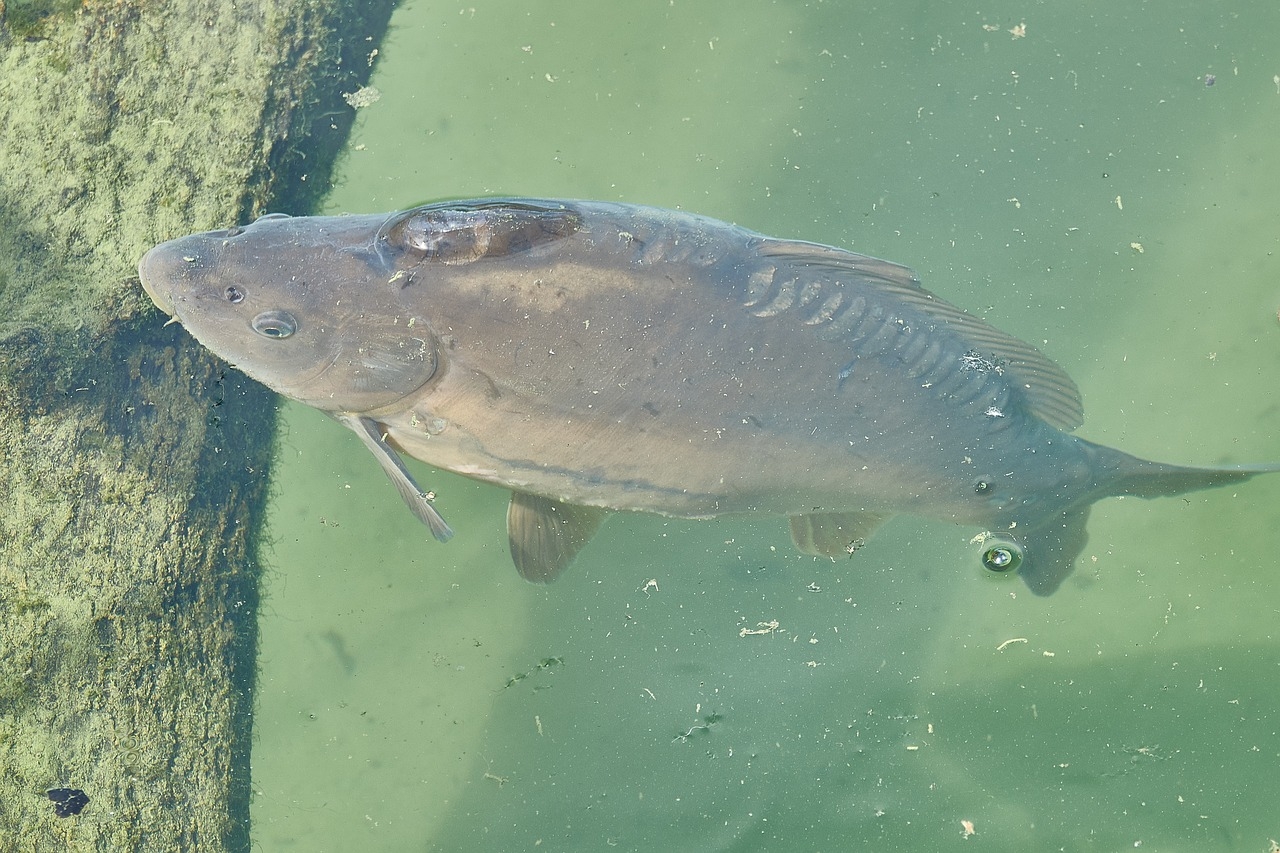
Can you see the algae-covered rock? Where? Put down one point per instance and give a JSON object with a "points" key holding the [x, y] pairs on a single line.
{"points": [[134, 464]]}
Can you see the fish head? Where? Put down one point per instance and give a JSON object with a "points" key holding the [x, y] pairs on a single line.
{"points": [[310, 306], [336, 311]]}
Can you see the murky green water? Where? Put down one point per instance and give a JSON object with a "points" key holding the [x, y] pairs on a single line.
{"points": [[1080, 186]]}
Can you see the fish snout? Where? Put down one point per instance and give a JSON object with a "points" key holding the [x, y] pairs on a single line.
{"points": [[156, 271]]}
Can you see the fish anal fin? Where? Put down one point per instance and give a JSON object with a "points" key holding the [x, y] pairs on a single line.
{"points": [[415, 498], [545, 535], [833, 534]]}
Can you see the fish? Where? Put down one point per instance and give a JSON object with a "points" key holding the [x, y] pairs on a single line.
{"points": [[596, 357]]}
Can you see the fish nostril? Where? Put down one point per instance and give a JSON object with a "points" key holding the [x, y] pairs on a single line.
{"points": [[234, 295]]}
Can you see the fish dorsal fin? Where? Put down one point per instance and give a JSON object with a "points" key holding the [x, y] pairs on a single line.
{"points": [[825, 284], [833, 534], [545, 535], [416, 499]]}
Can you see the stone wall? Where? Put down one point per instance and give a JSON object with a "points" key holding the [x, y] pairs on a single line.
{"points": [[135, 466]]}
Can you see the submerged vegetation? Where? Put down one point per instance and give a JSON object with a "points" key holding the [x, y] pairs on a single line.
{"points": [[30, 19]]}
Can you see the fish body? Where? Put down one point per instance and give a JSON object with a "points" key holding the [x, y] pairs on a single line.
{"points": [[594, 356]]}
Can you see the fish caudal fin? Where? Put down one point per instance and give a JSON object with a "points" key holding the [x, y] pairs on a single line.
{"points": [[1050, 547], [1049, 550]]}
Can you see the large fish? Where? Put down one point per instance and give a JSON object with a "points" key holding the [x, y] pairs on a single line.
{"points": [[591, 356]]}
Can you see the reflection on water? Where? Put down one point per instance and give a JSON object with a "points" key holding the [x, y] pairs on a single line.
{"points": [[700, 686]]}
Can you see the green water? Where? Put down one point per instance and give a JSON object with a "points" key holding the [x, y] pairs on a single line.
{"points": [[417, 696]]}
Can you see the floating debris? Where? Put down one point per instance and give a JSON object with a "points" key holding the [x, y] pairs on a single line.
{"points": [[769, 627], [362, 97], [701, 728], [544, 664]]}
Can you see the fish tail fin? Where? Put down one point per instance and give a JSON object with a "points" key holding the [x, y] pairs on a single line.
{"points": [[1051, 547]]}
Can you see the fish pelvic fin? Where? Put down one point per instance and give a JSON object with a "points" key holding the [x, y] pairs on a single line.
{"points": [[833, 534], [545, 535]]}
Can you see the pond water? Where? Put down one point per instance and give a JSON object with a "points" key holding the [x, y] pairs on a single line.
{"points": [[1098, 179]]}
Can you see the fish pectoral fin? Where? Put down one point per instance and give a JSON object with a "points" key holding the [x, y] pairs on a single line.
{"points": [[834, 534], [546, 535], [414, 497]]}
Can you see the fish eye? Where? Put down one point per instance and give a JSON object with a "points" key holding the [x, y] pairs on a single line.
{"points": [[234, 295], [275, 324]]}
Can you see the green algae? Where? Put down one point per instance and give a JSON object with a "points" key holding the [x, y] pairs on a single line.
{"points": [[33, 19], [135, 466]]}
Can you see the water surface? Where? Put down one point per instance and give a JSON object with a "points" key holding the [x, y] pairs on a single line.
{"points": [[1075, 182]]}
